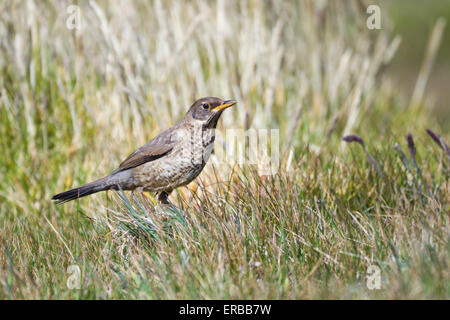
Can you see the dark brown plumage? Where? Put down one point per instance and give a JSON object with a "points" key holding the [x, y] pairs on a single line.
{"points": [[172, 159]]}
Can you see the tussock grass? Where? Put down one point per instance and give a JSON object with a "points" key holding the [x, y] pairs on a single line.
{"points": [[74, 103]]}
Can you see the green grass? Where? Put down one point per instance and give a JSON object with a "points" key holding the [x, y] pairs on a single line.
{"points": [[73, 104]]}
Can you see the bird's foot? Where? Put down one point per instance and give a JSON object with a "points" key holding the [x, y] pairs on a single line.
{"points": [[165, 205], [168, 208], [163, 197]]}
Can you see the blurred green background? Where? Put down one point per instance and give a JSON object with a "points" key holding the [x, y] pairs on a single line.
{"points": [[413, 20]]}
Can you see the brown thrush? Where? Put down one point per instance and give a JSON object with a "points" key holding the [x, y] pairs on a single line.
{"points": [[172, 159]]}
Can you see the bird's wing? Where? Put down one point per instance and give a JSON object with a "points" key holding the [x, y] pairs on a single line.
{"points": [[152, 150]]}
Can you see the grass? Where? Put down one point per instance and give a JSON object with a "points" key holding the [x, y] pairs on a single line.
{"points": [[74, 103]]}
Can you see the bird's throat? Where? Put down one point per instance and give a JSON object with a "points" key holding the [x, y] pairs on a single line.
{"points": [[212, 121]]}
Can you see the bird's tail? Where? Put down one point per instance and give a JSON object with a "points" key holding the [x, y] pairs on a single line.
{"points": [[87, 189]]}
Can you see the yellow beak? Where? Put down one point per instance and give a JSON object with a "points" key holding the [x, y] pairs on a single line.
{"points": [[226, 104]]}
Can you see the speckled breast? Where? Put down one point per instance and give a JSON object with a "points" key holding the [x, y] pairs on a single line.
{"points": [[179, 167]]}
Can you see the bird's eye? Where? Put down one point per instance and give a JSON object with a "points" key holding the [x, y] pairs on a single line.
{"points": [[205, 106]]}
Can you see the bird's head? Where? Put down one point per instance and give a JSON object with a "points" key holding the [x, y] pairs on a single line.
{"points": [[208, 110]]}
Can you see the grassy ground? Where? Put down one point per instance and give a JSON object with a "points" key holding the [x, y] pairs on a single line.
{"points": [[74, 103]]}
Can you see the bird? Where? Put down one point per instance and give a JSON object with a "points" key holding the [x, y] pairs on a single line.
{"points": [[170, 160]]}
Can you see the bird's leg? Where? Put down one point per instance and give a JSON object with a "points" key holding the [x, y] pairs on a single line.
{"points": [[163, 197], [165, 205]]}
